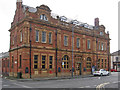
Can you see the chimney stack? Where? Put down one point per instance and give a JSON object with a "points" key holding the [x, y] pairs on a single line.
{"points": [[19, 4], [96, 22]]}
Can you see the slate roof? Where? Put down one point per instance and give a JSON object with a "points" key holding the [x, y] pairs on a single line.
{"points": [[4, 55], [115, 53], [30, 9]]}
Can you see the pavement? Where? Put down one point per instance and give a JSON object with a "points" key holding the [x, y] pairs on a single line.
{"points": [[48, 78]]}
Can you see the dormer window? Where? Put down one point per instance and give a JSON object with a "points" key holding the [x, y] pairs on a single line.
{"points": [[101, 33], [43, 17]]}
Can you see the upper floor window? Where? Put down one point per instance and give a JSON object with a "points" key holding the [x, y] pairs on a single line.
{"points": [[105, 46], [65, 40], [50, 37], [12, 40], [78, 42], [21, 36], [88, 44], [43, 37], [37, 35], [43, 17], [102, 45], [99, 45]]}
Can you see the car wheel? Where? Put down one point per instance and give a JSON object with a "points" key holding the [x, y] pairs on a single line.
{"points": [[101, 74]]}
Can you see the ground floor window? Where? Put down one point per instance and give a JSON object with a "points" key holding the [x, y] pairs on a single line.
{"points": [[88, 63], [65, 64], [102, 63], [98, 63], [105, 63], [12, 62], [43, 61], [50, 61], [35, 61]]}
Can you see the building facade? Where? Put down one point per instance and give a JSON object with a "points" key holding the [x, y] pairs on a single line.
{"points": [[115, 60], [4, 64], [41, 44]]}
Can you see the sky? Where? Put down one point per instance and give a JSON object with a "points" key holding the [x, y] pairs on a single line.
{"points": [[82, 10]]}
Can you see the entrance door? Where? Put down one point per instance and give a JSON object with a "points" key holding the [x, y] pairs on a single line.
{"points": [[80, 69]]}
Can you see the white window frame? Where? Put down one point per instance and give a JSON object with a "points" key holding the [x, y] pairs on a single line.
{"points": [[78, 42], [43, 17], [65, 40], [21, 36], [99, 46], [88, 44], [102, 46], [101, 33], [105, 46], [37, 36], [43, 37], [50, 37], [13, 39]]}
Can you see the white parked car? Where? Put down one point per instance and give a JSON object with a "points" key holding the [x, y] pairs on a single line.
{"points": [[101, 72]]}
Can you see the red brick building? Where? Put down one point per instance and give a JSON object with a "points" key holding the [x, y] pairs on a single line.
{"points": [[4, 64], [41, 44]]}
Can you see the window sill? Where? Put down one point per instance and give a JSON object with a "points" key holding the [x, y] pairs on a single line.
{"points": [[44, 42], [43, 69], [66, 46], [50, 43]]}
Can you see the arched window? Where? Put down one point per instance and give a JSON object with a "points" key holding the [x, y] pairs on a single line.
{"points": [[43, 17], [65, 63], [88, 63]]}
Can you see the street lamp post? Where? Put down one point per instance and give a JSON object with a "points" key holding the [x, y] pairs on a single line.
{"points": [[108, 51], [96, 54], [30, 49], [56, 51], [75, 22]]}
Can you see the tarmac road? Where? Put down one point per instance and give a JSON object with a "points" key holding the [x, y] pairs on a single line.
{"points": [[96, 82]]}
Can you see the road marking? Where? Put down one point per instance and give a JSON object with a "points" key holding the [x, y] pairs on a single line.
{"points": [[99, 77], [22, 85], [81, 87], [87, 86], [6, 85], [101, 85], [115, 82], [95, 85]]}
